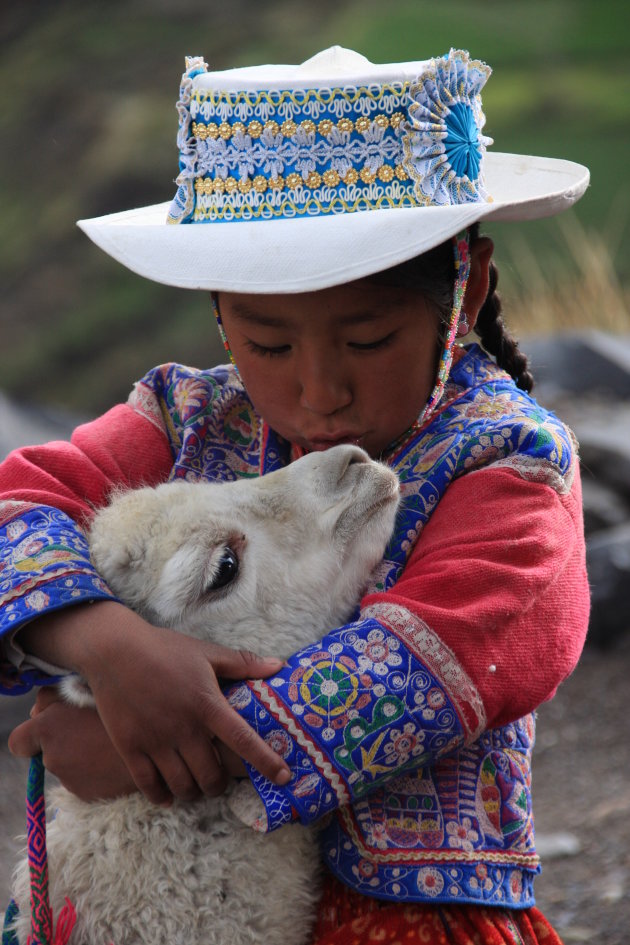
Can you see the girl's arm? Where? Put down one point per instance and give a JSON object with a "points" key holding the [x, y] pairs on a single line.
{"points": [[487, 619], [157, 694], [46, 494]]}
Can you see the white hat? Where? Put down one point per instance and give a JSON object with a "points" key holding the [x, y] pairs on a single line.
{"points": [[295, 178]]}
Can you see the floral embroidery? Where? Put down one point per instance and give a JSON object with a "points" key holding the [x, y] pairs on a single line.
{"points": [[16, 529], [379, 652], [191, 395], [430, 882], [279, 741], [37, 600], [461, 835], [404, 744], [327, 691]]}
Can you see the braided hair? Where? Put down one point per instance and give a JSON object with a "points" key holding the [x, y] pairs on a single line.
{"points": [[495, 335], [433, 275]]}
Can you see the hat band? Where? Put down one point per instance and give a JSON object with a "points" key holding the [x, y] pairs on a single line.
{"points": [[247, 155]]}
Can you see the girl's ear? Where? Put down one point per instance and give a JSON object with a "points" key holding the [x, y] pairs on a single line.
{"points": [[476, 293]]}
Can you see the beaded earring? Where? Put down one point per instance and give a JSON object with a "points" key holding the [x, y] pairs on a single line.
{"points": [[215, 308], [463, 327], [461, 258]]}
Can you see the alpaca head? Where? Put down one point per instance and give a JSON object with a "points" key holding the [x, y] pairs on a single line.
{"points": [[258, 563]]}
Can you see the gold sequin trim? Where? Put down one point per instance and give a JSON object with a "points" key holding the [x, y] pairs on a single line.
{"points": [[219, 185], [288, 128]]}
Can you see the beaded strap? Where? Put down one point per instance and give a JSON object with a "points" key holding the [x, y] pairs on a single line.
{"points": [[41, 917], [41, 914]]}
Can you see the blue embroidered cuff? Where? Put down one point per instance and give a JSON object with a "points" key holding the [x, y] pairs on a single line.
{"points": [[44, 566], [347, 715]]}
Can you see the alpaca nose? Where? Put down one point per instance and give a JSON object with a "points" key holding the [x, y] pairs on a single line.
{"points": [[351, 456]]}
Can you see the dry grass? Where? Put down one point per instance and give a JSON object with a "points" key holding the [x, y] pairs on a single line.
{"points": [[586, 292]]}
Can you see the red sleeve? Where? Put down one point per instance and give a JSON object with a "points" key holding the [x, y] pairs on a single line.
{"points": [[499, 575], [121, 448]]}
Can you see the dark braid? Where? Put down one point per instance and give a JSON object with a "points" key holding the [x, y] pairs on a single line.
{"points": [[495, 335]]}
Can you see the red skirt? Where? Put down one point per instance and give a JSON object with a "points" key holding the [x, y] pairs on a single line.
{"points": [[348, 918]]}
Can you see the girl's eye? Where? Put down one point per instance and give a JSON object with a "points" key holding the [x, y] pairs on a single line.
{"points": [[372, 345], [267, 351], [226, 571]]}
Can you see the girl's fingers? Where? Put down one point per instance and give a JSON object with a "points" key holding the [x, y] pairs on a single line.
{"points": [[75, 747], [241, 664], [24, 740], [188, 775], [46, 695], [206, 770], [230, 728], [149, 781]]}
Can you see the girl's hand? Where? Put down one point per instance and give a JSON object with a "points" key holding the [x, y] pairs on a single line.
{"points": [[66, 735], [158, 695]]}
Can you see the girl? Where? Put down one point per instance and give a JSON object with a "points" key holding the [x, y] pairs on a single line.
{"points": [[332, 209]]}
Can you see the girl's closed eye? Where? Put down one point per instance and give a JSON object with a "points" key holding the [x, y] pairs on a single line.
{"points": [[267, 351], [373, 345]]}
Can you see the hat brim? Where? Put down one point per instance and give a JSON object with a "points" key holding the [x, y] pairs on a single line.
{"points": [[306, 254]]}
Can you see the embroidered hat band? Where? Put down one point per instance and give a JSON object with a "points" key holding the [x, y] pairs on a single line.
{"points": [[249, 154]]}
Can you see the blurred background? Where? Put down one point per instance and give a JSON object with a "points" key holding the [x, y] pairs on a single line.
{"points": [[88, 127]]}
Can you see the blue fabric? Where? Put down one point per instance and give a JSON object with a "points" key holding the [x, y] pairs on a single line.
{"points": [[462, 141]]}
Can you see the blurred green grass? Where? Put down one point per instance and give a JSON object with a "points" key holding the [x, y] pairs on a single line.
{"points": [[88, 126]]}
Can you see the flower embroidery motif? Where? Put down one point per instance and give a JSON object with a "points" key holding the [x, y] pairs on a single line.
{"points": [[190, 396], [279, 741], [378, 652], [328, 692], [516, 885], [239, 697], [443, 144], [403, 745], [481, 880], [37, 600], [15, 530], [462, 836], [489, 448], [430, 882]]}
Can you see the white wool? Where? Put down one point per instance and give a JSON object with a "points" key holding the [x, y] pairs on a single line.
{"points": [[306, 539]]}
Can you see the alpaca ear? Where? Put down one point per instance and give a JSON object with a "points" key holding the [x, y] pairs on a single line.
{"points": [[118, 534]]}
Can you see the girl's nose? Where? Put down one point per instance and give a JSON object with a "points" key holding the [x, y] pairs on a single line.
{"points": [[324, 388]]}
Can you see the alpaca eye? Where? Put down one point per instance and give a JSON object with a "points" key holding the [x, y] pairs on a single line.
{"points": [[226, 571]]}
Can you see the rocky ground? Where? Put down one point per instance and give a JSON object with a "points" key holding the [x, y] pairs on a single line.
{"points": [[581, 798], [582, 801]]}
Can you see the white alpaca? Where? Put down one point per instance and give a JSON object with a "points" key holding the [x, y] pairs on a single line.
{"points": [[269, 564]]}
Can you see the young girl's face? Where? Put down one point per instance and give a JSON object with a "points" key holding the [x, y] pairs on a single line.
{"points": [[354, 363]]}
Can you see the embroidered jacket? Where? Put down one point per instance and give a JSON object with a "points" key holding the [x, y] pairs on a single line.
{"points": [[409, 731]]}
